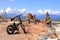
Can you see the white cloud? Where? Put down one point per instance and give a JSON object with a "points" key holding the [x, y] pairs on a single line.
{"points": [[29, 12], [49, 11], [8, 10], [40, 11], [22, 10], [44, 11], [18, 11], [15, 9], [56, 12]]}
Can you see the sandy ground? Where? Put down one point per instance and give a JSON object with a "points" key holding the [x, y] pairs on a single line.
{"points": [[34, 31]]}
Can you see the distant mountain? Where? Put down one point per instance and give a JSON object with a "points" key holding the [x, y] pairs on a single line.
{"points": [[15, 13], [53, 17], [10, 15], [40, 16]]}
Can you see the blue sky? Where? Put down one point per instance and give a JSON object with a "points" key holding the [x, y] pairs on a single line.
{"points": [[53, 6]]}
